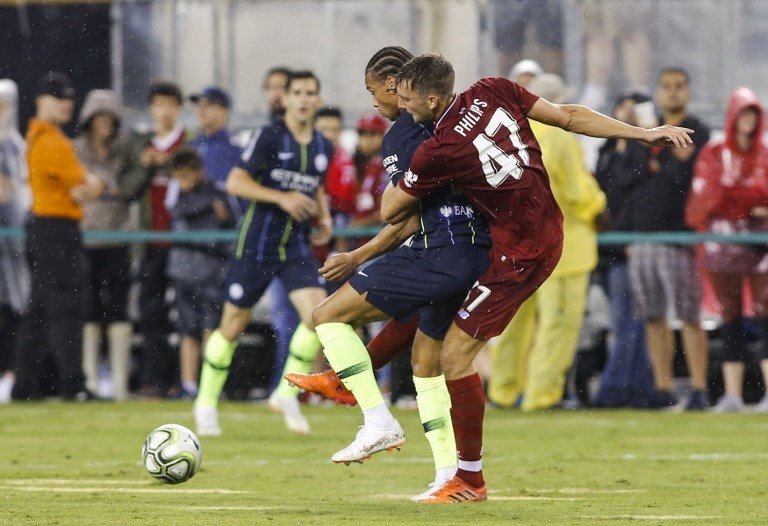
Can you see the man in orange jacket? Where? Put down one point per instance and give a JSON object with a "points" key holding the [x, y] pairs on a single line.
{"points": [[59, 184]]}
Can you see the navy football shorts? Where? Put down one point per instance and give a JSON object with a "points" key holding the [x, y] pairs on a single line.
{"points": [[248, 277], [431, 281]]}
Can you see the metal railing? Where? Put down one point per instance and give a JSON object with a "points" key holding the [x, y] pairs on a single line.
{"points": [[227, 236]]}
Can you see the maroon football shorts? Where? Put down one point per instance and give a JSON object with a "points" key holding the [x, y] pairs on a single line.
{"points": [[501, 290]]}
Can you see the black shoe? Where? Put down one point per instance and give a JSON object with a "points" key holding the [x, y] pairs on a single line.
{"points": [[81, 396], [662, 399], [698, 401]]}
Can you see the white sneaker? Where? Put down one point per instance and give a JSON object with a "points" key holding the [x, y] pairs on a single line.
{"points": [[432, 488], [207, 421], [6, 387], [762, 405], [291, 409], [370, 441], [728, 404]]}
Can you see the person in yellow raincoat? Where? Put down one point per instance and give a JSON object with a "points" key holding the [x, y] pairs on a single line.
{"points": [[533, 355]]}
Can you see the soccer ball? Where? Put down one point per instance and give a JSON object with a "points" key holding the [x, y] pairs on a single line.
{"points": [[171, 453]]}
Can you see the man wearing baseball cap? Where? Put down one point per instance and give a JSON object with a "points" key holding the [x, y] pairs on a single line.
{"points": [[214, 142], [60, 184]]}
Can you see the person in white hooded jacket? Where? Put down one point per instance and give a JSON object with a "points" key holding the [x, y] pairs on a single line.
{"points": [[14, 202]]}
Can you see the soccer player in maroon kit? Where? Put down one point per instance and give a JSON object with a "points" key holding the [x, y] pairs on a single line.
{"points": [[484, 146]]}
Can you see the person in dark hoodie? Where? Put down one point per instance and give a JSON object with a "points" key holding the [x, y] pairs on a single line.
{"points": [[729, 194], [197, 269], [627, 377], [664, 277]]}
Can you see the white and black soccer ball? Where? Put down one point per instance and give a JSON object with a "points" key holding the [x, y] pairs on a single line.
{"points": [[171, 453]]}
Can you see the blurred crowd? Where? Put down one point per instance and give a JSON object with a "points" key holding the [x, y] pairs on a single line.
{"points": [[602, 331]]}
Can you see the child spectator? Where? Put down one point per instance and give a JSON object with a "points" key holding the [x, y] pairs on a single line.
{"points": [[371, 177], [196, 269]]}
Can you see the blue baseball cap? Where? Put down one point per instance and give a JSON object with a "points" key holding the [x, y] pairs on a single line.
{"points": [[214, 95]]}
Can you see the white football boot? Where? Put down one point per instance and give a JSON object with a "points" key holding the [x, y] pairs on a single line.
{"points": [[207, 421], [369, 441]]}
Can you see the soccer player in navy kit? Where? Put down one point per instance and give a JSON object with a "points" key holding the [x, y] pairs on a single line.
{"points": [[281, 174], [431, 276], [483, 144]]}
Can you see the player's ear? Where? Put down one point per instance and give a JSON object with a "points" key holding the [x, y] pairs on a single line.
{"points": [[391, 83], [432, 100]]}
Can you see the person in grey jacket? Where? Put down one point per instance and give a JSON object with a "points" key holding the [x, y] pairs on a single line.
{"points": [[14, 201], [102, 150], [196, 268]]}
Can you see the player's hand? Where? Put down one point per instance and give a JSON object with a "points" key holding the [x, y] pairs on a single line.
{"points": [[322, 232], [668, 136], [298, 206], [339, 266]]}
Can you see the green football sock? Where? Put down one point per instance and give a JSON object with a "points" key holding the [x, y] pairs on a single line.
{"points": [[301, 353], [216, 361], [434, 404], [349, 358]]}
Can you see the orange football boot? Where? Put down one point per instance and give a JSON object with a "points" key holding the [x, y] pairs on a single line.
{"points": [[326, 384], [457, 491]]}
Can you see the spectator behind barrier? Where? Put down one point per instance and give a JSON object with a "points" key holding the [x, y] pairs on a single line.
{"points": [[627, 379], [372, 179], [214, 143], [14, 202], [534, 353], [729, 195], [60, 185], [196, 268], [102, 151], [665, 280], [144, 177]]}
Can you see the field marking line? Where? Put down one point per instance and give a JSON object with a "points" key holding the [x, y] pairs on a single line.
{"points": [[404, 496], [653, 517], [37, 482], [231, 508], [165, 490], [698, 457], [569, 491]]}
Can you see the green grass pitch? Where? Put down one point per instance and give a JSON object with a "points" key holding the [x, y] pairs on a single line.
{"points": [[79, 464]]}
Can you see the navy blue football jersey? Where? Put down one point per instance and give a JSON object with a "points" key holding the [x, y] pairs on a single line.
{"points": [[276, 160], [447, 217]]}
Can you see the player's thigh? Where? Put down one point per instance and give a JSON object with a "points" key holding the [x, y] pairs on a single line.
{"points": [[305, 301], [425, 356], [347, 305]]}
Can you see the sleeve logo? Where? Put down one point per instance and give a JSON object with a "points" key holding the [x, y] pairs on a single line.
{"points": [[410, 179]]}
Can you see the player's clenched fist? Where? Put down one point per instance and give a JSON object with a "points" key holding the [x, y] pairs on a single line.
{"points": [[339, 266]]}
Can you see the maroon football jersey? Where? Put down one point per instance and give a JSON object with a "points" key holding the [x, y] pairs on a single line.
{"points": [[484, 145]]}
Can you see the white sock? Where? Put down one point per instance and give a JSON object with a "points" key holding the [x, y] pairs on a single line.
{"points": [[444, 474], [378, 417], [471, 465]]}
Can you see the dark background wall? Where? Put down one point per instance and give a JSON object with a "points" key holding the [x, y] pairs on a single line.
{"points": [[36, 39]]}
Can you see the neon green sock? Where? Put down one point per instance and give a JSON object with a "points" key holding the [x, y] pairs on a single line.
{"points": [[349, 358], [215, 370], [301, 353], [434, 404]]}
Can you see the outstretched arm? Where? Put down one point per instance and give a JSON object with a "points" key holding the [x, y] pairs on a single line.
{"points": [[341, 266], [580, 119]]}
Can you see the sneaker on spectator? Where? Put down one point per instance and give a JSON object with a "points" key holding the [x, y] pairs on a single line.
{"points": [[761, 407], [6, 387], [698, 401], [662, 400], [728, 404]]}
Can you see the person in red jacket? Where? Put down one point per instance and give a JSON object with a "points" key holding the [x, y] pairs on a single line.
{"points": [[729, 194]]}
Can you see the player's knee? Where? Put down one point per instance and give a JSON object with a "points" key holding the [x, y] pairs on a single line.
{"points": [[321, 315], [426, 365]]}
